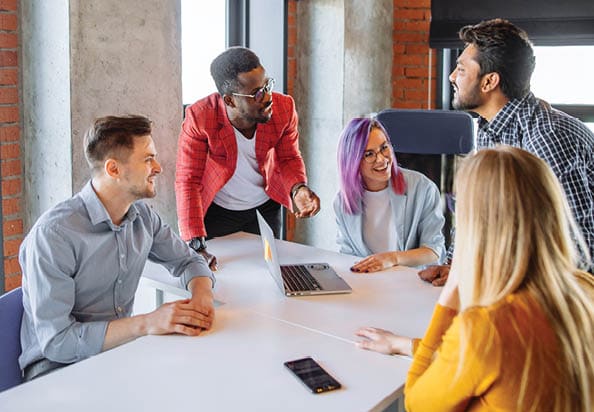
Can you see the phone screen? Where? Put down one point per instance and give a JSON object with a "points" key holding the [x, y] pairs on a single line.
{"points": [[312, 375]]}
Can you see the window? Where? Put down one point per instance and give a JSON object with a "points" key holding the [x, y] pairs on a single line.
{"points": [[203, 38], [562, 77]]}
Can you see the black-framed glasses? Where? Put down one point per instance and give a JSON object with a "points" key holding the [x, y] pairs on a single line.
{"points": [[370, 156], [261, 92]]}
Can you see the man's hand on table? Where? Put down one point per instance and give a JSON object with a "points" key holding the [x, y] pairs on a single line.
{"points": [[437, 275]]}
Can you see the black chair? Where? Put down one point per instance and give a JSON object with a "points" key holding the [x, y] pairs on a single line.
{"points": [[428, 131], [427, 141]]}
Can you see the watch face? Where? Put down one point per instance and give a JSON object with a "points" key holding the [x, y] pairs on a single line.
{"points": [[197, 244]]}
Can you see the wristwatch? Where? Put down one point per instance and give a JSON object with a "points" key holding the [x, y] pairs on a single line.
{"points": [[198, 243]]}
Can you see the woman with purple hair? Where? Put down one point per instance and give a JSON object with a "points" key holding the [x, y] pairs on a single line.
{"points": [[386, 214]]}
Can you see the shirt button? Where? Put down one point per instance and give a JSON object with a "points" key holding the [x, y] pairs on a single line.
{"points": [[121, 256], [119, 309], [119, 281]]}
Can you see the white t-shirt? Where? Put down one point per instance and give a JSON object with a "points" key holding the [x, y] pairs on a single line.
{"points": [[245, 189], [379, 229]]}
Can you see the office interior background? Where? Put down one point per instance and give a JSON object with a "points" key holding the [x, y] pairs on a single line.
{"points": [[65, 62]]}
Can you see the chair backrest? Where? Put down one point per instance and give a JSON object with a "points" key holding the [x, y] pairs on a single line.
{"points": [[11, 314], [428, 131]]}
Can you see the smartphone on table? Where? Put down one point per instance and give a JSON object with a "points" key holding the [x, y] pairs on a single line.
{"points": [[312, 375]]}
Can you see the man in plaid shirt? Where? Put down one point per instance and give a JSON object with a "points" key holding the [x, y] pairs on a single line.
{"points": [[492, 79]]}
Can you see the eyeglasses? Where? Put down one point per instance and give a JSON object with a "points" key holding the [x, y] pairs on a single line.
{"points": [[261, 92], [370, 156]]}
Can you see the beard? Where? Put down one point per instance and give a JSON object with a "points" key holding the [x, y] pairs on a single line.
{"points": [[261, 116], [471, 100], [143, 192]]}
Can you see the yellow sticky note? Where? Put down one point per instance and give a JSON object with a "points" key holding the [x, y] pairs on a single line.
{"points": [[267, 252]]}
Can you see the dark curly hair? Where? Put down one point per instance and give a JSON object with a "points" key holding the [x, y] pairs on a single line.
{"points": [[225, 68], [505, 49]]}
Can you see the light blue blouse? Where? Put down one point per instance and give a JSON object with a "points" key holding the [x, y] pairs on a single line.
{"points": [[417, 214]]}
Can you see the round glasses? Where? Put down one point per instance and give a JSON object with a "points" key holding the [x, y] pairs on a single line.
{"points": [[261, 92], [370, 156]]}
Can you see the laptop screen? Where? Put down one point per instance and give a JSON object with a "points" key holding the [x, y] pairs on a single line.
{"points": [[270, 253]]}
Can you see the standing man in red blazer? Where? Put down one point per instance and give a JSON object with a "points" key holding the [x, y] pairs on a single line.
{"points": [[238, 152]]}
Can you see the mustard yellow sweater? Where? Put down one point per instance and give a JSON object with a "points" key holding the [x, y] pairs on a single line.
{"points": [[504, 341]]}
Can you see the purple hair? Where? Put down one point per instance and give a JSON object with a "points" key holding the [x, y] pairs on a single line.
{"points": [[351, 146]]}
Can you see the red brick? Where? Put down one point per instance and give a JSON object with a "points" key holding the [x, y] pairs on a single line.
{"points": [[9, 95], [10, 151], [8, 58], [417, 48], [397, 71], [11, 168], [404, 104], [399, 48], [8, 21], [9, 134], [416, 72], [9, 114], [292, 37], [410, 37], [400, 60], [415, 25], [11, 187], [416, 94], [415, 60], [8, 77], [11, 266], [292, 6], [9, 40], [13, 227], [11, 206], [291, 67], [8, 5], [407, 83], [11, 247], [412, 4], [12, 281], [409, 14]]}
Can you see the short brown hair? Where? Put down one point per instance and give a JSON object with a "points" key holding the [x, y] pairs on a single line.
{"points": [[113, 136]]}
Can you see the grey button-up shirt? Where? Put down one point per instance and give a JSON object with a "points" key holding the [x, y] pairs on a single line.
{"points": [[80, 271]]}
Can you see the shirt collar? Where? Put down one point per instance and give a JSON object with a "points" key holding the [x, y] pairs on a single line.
{"points": [[506, 115], [96, 210]]}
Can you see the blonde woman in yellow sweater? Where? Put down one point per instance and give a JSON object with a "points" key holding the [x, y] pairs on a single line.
{"points": [[514, 326]]}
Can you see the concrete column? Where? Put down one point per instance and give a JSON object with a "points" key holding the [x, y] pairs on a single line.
{"points": [[344, 58], [113, 57]]}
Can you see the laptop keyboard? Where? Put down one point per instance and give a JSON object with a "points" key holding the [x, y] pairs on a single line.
{"points": [[297, 278]]}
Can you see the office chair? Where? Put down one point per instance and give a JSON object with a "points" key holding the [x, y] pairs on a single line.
{"points": [[428, 131], [11, 313], [421, 138]]}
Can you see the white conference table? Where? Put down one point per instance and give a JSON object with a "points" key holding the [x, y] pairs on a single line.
{"points": [[239, 364]]}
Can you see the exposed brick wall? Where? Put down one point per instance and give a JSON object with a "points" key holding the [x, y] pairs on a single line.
{"points": [[10, 147], [413, 78]]}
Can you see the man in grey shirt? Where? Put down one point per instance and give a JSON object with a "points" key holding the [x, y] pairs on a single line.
{"points": [[83, 259]]}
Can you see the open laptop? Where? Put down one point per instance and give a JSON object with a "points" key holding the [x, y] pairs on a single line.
{"points": [[302, 279]]}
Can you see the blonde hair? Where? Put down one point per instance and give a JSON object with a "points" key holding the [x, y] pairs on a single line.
{"points": [[515, 232]]}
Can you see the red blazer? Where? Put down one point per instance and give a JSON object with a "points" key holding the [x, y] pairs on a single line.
{"points": [[207, 157]]}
